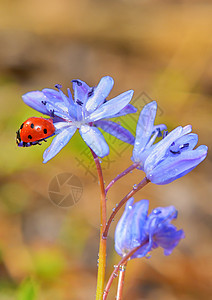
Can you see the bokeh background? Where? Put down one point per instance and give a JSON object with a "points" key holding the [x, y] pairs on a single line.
{"points": [[162, 50]]}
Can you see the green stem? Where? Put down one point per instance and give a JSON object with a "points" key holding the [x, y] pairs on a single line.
{"points": [[103, 241]]}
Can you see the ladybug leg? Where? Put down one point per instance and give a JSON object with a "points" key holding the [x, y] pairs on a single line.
{"points": [[44, 140]]}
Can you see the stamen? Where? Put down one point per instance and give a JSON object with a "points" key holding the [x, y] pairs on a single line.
{"points": [[186, 145], [77, 82], [79, 102], [159, 132], [91, 92], [174, 152], [58, 86], [43, 102], [52, 113], [165, 133]]}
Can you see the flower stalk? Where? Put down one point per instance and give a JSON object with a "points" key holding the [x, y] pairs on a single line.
{"points": [[119, 176], [135, 189], [103, 241], [122, 271], [116, 269]]}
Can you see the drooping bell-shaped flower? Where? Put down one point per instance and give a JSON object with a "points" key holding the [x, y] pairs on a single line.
{"points": [[136, 228]]}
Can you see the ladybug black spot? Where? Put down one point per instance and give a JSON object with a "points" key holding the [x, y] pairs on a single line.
{"points": [[45, 130], [22, 125], [29, 137], [32, 125]]}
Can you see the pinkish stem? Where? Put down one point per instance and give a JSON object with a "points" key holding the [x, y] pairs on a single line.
{"points": [[122, 202], [125, 172], [122, 261]]}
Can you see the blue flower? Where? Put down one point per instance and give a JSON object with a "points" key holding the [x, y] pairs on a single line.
{"points": [[136, 228], [173, 156], [88, 110]]}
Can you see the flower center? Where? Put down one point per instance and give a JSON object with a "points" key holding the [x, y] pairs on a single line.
{"points": [[177, 149]]}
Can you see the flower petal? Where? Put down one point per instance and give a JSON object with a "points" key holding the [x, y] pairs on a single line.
{"points": [[111, 107], [121, 227], [81, 90], [59, 126], [116, 130], [160, 149], [100, 93], [168, 238], [128, 109], [94, 139], [58, 143], [129, 233], [144, 128], [184, 143], [36, 100], [134, 233], [177, 166]]}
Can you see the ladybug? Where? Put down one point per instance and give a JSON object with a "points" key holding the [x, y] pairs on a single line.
{"points": [[33, 131]]}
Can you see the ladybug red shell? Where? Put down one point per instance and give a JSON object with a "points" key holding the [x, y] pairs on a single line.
{"points": [[33, 131]]}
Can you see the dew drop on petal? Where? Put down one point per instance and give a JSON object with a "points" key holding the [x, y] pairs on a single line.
{"points": [[156, 211]]}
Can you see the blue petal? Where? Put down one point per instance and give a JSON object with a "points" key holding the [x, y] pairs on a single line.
{"points": [[160, 216], [37, 101], [94, 139], [59, 126], [100, 93], [111, 107], [128, 109], [120, 241], [159, 127], [57, 109], [160, 149], [81, 90], [116, 130], [58, 103], [175, 167], [144, 128], [135, 233], [129, 231], [168, 238], [190, 140], [58, 143]]}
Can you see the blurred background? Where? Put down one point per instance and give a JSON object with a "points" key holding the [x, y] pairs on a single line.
{"points": [[163, 51]]}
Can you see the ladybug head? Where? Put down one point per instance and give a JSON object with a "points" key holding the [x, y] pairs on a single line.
{"points": [[18, 137]]}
